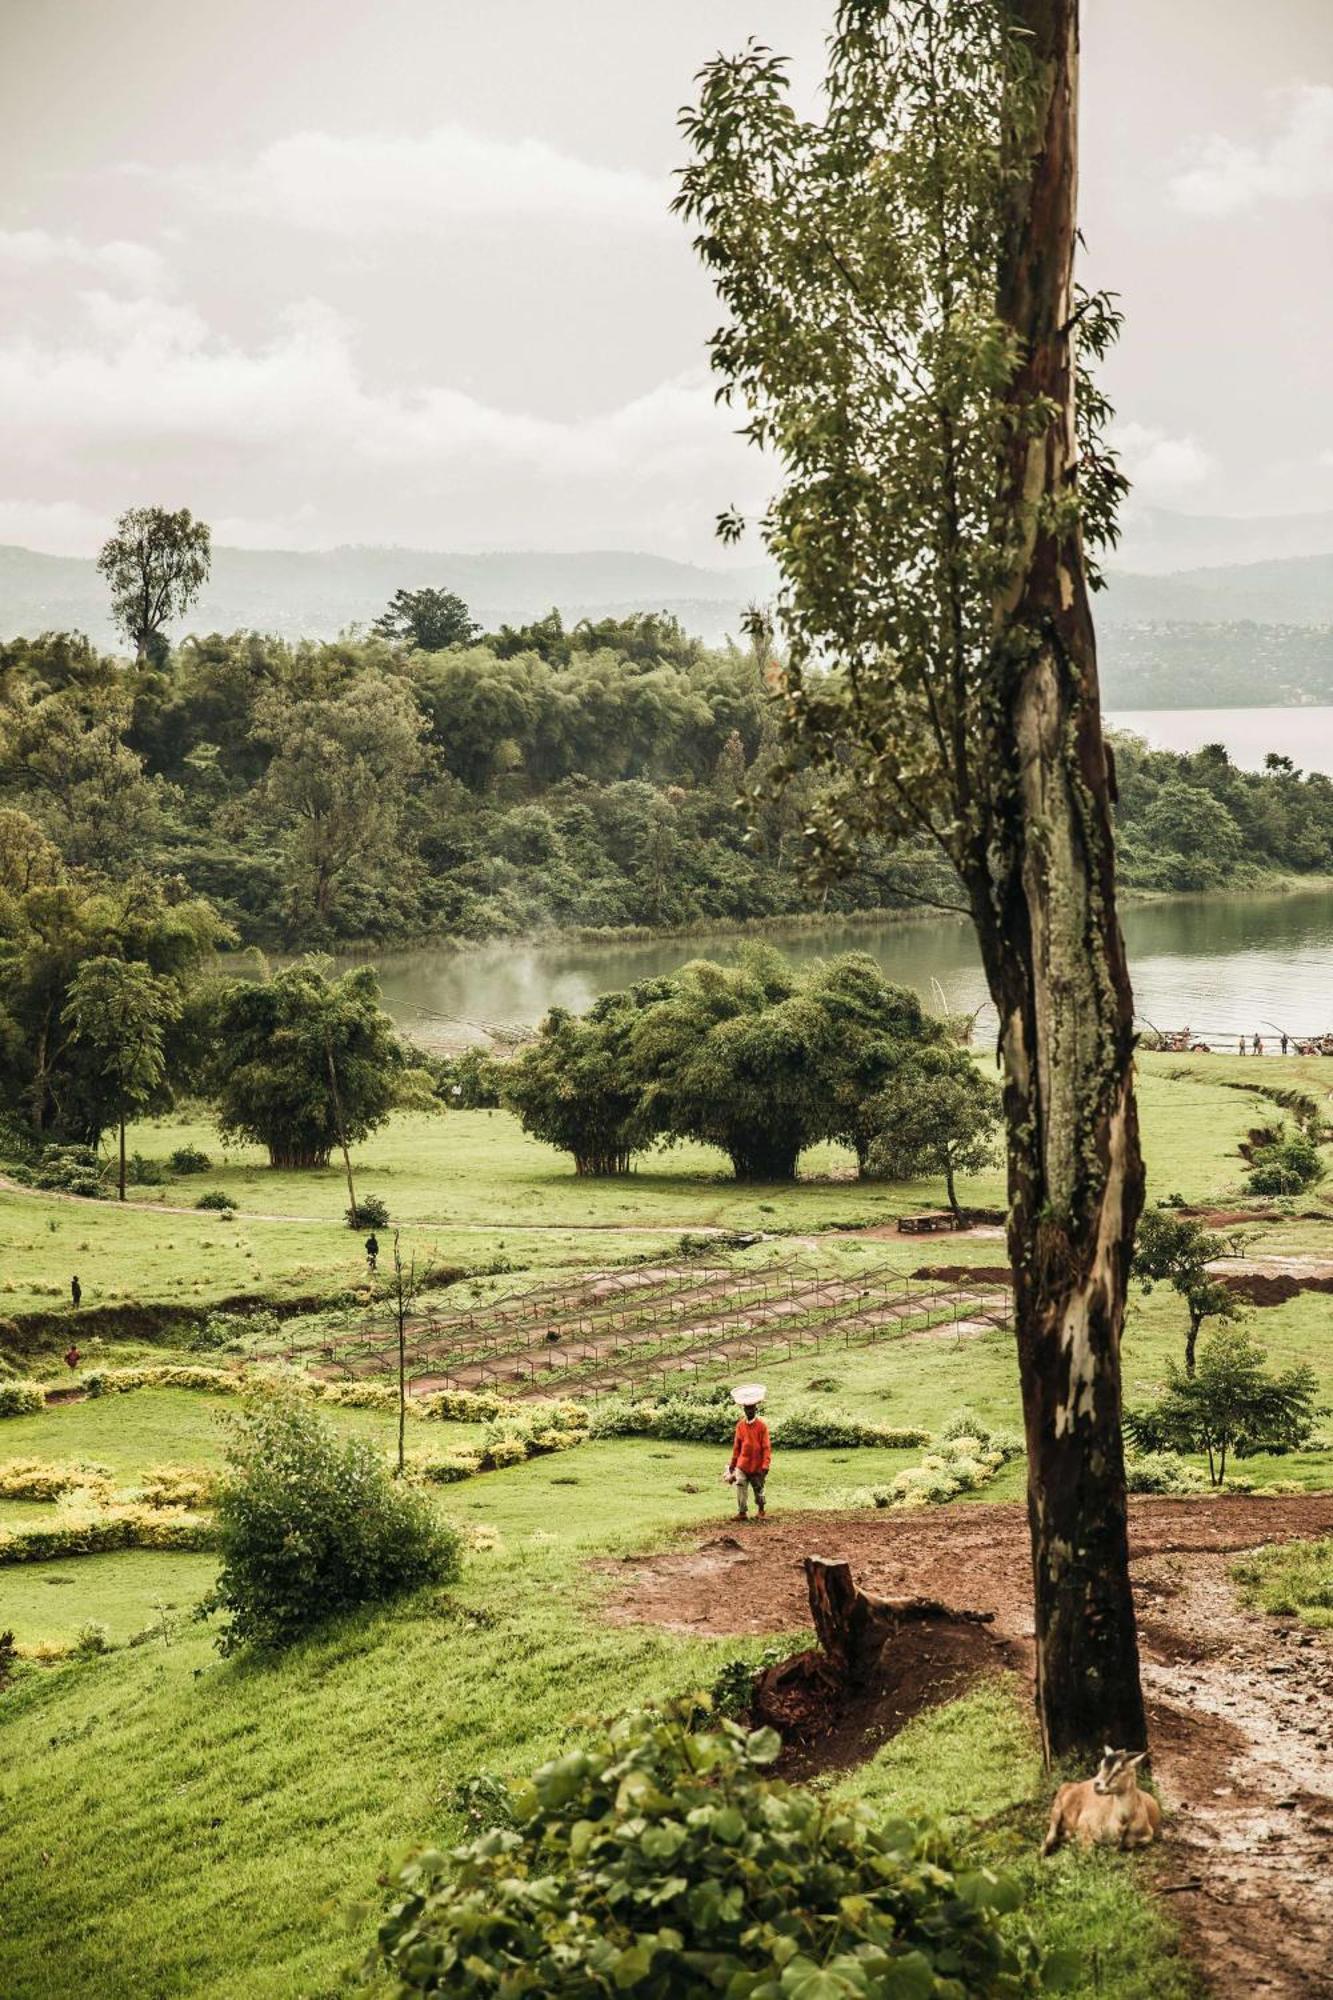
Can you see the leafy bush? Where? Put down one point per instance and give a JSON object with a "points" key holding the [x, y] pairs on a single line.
{"points": [[21, 1399], [45, 1479], [1162, 1472], [1231, 1404], [443, 1468], [370, 1213], [140, 1171], [732, 1691], [657, 1861], [95, 1533], [67, 1170], [484, 1801], [216, 1200], [312, 1525], [189, 1160], [691, 1420], [92, 1638], [180, 1486], [1287, 1166], [234, 1331], [968, 1456]]}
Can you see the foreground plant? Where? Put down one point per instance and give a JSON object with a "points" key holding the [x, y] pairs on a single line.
{"points": [[311, 1525], [666, 1863]]}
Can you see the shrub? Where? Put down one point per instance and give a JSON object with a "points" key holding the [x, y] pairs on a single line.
{"points": [[140, 1171], [483, 1801], [180, 1486], [732, 1691], [189, 1160], [369, 1213], [1287, 1166], [1162, 1472], [691, 1420], [69, 1170], [92, 1638], [21, 1399], [312, 1525], [43, 1479], [88, 1533], [658, 1861], [217, 1200], [443, 1468]]}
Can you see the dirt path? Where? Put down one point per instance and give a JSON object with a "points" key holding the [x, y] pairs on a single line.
{"points": [[1241, 1705]]}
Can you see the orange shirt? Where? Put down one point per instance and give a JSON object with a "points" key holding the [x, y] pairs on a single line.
{"points": [[752, 1450]]}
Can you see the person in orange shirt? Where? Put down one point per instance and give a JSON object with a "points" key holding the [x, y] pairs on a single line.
{"points": [[751, 1452]]}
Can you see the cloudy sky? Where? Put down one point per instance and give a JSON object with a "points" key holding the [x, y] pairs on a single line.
{"points": [[404, 273]]}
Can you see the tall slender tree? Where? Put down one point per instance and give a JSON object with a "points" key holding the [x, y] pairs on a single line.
{"points": [[119, 1012], [906, 336], [156, 563]]}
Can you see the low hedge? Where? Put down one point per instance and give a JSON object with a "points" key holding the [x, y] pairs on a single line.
{"points": [[116, 1527], [691, 1420], [21, 1399], [47, 1479]]}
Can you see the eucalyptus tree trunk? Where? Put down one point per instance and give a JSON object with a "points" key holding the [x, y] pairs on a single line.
{"points": [[1044, 901]]}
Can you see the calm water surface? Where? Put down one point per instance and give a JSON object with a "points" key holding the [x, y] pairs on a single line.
{"points": [[1239, 963]]}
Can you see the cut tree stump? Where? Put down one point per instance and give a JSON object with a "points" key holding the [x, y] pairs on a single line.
{"points": [[803, 1695]]}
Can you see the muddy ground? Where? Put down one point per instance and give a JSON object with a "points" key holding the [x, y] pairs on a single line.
{"points": [[1241, 1705]]}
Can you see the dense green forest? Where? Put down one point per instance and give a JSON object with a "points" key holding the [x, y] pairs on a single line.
{"points": [[535, 779]]}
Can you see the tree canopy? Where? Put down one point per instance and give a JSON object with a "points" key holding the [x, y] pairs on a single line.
{"points": [[303, 1060], [156, 563], [428, 619]]}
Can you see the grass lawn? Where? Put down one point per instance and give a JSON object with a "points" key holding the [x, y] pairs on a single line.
{"points": [[176, 1823], [475, 1188]]}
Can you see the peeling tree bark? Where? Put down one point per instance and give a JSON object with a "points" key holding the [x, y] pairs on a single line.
{"points": [[1044, 900]]}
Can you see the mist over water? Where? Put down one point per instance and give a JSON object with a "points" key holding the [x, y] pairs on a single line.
{"points": [[1224, 966]]}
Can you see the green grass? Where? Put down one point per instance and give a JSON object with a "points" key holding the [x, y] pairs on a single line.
{"points": [[180, 1824], [1293, 1581], [123, 1592]]}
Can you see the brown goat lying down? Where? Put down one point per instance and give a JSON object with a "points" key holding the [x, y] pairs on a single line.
{"points": [[1108, 1810]]}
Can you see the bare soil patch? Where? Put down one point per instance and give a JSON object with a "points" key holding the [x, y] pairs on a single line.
{"points": [[1241, 1705]]}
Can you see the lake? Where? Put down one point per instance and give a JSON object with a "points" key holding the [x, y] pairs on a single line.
{"points": [[1220, 966]]}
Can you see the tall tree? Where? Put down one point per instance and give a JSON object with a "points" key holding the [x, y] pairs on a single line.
{"points": [[156, 563], [1176, 1250], [303, 1062], [907, 338], [337, 786], [938, 1115], [119, 1012], [430, 620]]}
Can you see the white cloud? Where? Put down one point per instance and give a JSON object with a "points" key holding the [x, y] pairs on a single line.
{"points": [[134, 265], [1160, 465], [1222, 177], [142, 397], [367, 183]]}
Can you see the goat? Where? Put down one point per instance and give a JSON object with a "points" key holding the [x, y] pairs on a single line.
{"points": [[1108, 1810]]}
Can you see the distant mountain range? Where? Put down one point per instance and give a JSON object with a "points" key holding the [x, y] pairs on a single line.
{"points": [[1169, 637]]}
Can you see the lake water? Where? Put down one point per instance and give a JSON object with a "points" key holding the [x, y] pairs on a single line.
{"points": [[1239, 963], [1221, 967]]}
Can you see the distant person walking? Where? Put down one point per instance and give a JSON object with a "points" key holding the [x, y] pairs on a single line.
{"points": [[75, 1293], [751, 1451], [372, 1250]]}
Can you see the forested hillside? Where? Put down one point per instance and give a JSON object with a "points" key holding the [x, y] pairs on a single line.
{"points": [[542, 778]]}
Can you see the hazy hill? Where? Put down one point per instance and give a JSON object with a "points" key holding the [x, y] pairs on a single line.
{"points": [[317, 594], [1253, 632]]}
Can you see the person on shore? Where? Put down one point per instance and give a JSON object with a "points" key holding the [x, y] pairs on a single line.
{"points": [[1284, 1044], [1258, 1046], [372, 1251], [751, 1451], [1242, 1045], [75, 1293]]}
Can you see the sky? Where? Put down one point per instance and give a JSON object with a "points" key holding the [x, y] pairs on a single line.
{"points": [[405, 273]]}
